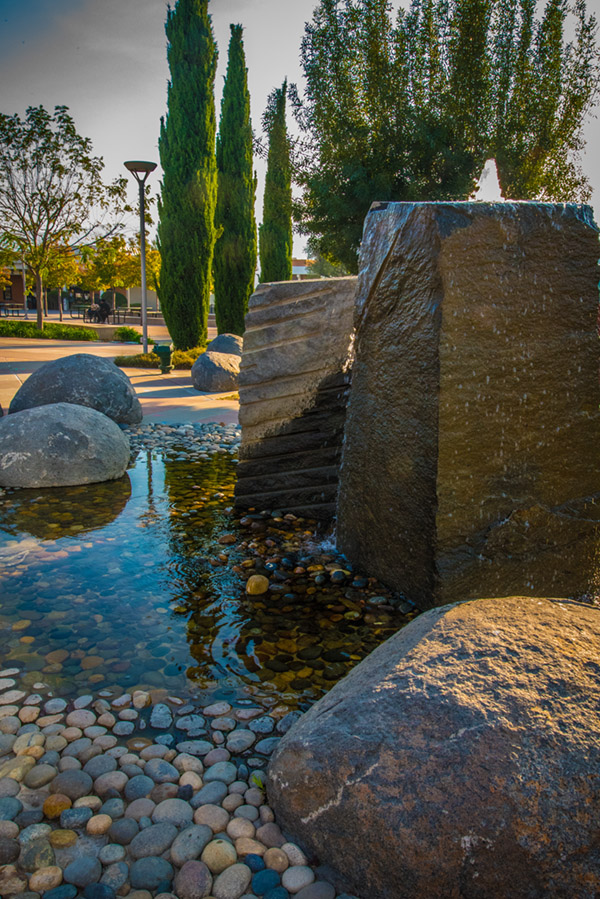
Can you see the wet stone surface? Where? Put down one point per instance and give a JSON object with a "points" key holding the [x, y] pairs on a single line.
{"points": [[121, 761]]}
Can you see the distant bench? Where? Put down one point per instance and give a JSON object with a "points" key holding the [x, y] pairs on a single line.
{"points": [[10, 309]]}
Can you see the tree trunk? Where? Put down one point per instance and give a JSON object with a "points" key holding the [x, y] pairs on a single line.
{"points": [[39, 300], [25, 315], [60, 305]]}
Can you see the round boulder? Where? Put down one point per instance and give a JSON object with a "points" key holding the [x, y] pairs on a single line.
{"points": [[469, 742], [216, 372], [84, 380], [226, 343], [60, 445]]}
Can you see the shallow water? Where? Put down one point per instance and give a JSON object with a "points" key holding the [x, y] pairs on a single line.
{"points": [[120, 586]]}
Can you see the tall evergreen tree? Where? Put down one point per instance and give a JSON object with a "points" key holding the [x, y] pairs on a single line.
{"points": [[186, 231], [234, 261], [275, 236]]}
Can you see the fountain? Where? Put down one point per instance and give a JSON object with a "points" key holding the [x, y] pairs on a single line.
{"points": [[488, 187], [467, 742], [469, 465]]}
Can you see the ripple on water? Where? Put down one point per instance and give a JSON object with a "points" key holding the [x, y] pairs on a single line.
{"points": [[125, 584]]}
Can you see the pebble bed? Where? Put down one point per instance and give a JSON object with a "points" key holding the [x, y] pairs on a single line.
{"points": [[91, 806], [201, 439], [146, 794]]}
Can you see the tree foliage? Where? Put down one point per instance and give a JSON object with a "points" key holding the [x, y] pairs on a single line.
{"points": [[409, 108], [234, 261], [275, 234], [116, 263], [52, 197], [319, 267], [186, 233]]}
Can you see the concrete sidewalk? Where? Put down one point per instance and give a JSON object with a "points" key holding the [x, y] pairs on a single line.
{"points": [[164, 398]]}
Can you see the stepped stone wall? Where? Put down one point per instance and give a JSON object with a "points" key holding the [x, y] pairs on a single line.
{"points": [[294, 382]]}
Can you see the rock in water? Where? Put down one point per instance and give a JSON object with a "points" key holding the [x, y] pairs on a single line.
{"points": [[460, 758], [226, 343], [84, 380], [216, 372], [60, 445], [469, 465], [294, 382]]}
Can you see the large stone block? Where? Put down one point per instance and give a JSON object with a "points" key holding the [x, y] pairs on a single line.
{"points": [[470, 465], [459, 759], [294, 381]]}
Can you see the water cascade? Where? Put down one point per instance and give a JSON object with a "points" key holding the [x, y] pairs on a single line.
{"points": [[488, 187]]}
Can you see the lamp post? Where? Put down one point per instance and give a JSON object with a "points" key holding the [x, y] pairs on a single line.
{"points": [[140, 171]]}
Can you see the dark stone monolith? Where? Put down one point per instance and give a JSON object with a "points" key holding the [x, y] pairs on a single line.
{"points": [[294, 381], [470, 464]]}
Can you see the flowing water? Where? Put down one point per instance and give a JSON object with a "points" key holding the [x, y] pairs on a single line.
{"points": [[125, 585]]}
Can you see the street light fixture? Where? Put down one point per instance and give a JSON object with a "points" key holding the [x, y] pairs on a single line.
{"points": [[140, 171]]}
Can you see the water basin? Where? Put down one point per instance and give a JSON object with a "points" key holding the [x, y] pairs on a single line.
{"points": [[125, 585]]}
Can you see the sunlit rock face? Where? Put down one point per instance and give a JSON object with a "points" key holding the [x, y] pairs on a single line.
{"points": [[470, 463], [294, 382], [458, 761]]}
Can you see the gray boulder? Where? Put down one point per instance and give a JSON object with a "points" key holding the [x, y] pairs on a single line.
{"points": [[60, 445], [226, 343], [216, 372], [459, 759], [85, 380]]}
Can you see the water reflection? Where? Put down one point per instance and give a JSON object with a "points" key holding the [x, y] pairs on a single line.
{"points": [[126, 584], [65, 512]]}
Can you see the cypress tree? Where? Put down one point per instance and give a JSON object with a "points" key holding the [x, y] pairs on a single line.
{"points": [[186, 232], [275, 238], [234, 261]]}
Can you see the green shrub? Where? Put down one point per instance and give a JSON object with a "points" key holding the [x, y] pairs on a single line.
{"points": [[51, 331], [181, 359], [127, 335], [186, 358], [140, 360]]}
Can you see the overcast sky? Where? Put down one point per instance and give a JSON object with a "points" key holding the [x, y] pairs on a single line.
{"points": [[106, 61]]}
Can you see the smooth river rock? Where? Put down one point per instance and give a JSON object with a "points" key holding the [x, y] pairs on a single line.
{"points": [[470, 458], [84, 380], [460, 758], [294, 382], [226, 343], [216, 372], [60, 445]]}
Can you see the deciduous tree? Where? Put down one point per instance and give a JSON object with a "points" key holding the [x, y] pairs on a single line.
{"points": [[409, 108], [51, 190]]}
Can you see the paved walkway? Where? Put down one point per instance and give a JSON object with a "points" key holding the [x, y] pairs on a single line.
{"points": [[164, 398]]}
